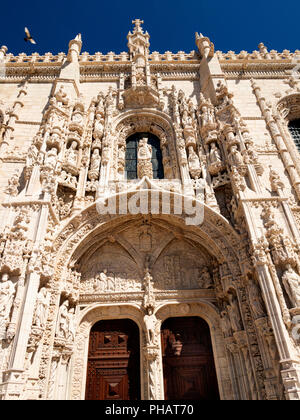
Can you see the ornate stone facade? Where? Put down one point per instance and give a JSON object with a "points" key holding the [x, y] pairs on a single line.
{"points": [[222, 124]]}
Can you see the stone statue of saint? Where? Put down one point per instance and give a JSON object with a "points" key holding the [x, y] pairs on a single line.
{"points": [[71, 325], [235, 158], [7, 292], [225, 324], [144, 159], [62, 320], [99, 127], [71, 154], [95, 160], [194, 163], [214, 154], [144, 150], [256, 301], [51, 157], [42, 303], [291, 282], [150, 321], [234, 315]]}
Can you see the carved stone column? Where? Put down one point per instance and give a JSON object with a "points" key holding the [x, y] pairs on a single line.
{"points": [[151, 354]]}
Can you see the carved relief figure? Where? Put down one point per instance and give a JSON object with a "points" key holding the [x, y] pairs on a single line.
{"points": [[101, 282], [205, 281]]}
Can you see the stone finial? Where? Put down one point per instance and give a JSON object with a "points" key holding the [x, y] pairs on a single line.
{"points": [[3, 51], [205, 46], [74, 48]]}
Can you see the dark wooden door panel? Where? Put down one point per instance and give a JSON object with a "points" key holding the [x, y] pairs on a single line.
{"points": [[188, 365], [113, 361]]}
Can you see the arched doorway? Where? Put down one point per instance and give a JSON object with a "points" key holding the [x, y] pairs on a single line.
{"points": [[113, 371], [188, 364]]}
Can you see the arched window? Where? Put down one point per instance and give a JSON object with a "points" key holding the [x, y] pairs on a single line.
{"points": [[131, 155], [294, 127]]}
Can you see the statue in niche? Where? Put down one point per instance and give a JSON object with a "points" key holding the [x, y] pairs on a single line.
{"points": [[71, 325], [234, 314], [42, 303], [105, 154], [256, 301], [7, 292], [99, 127], [51, 157], [71, 154], [291, 282], [194, 163], [225, 324], [95, 160], [207, 116], [62, 320], [234, 157], [144, 159], [101, 282], [214, 154], [150, 321]]}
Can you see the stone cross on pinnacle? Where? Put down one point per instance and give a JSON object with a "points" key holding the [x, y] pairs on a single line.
{"points": [[137, 23]]}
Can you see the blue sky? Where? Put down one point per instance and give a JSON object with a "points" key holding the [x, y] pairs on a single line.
{"points": [[231, 25]]}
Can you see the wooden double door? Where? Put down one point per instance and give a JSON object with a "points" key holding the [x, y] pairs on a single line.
{"points": [[114, 360], [188, 364], [113, 371]]}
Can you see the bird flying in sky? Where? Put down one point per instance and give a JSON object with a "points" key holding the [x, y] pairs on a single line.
{"points": [[29, 37]]}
